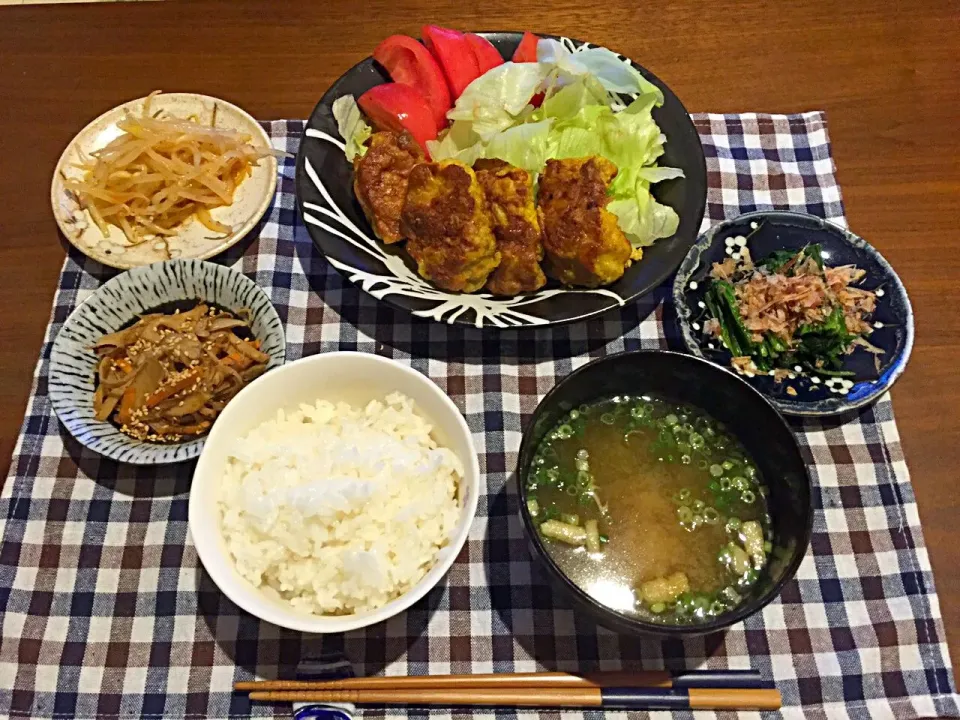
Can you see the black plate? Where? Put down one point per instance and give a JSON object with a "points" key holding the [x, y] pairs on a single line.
{"points": [[779, 230], [387, 272]]}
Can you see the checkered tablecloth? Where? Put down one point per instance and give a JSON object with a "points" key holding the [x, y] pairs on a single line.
{"points": [[106, 612]]}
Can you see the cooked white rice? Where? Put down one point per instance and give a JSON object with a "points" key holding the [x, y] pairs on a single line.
{"points": [[338, 509]]}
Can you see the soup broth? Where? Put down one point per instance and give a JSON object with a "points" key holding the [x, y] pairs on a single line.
{"points": [[651, 507]]}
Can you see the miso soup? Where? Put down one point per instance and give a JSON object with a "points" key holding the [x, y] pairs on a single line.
{"points": [[651, 507]]}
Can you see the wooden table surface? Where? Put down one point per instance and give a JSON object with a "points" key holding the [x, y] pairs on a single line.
{"points": [[886, 72]]}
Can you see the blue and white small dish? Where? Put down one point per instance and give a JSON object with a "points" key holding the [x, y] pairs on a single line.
{"points": [[118, 304], [769, 231]]}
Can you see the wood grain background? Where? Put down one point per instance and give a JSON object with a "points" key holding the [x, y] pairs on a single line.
{"points": [[887, 73]]}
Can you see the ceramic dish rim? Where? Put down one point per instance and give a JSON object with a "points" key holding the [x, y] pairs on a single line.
{"points": [[56, 187], [793, 408], [193, 447]]}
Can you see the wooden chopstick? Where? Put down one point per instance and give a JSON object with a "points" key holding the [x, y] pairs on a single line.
{"points": [[636, 679], [653, 698]]}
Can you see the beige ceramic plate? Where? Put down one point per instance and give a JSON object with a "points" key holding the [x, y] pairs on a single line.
{"points": [[250, 201]]}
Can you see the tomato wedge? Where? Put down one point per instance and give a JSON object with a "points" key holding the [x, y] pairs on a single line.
{"points": [[488, 57], [527, 49], [455, 56], [396, 107], [410, 63]]}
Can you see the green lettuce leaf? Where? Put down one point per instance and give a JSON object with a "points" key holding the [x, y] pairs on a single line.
{"points": [[642, 218], [574, 142], [494, 100], [566, 103], [525, 146], [351, 126], [460, 142]]}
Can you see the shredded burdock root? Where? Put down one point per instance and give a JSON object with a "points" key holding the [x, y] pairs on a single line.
{"points": [[161, 172], [789, 310], [168, 376]]}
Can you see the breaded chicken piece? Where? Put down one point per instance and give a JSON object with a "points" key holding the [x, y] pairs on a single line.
{"points": [[448, 232], [380, 180], [509, 193], [583, 243]]}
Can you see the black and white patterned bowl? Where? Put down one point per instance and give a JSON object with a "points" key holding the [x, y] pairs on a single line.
{"points": [[118, 304], [781, 230]]}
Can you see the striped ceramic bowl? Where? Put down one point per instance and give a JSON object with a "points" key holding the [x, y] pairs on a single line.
{"points": [[117, 304]]}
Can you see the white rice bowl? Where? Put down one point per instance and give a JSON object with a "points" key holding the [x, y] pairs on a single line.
{"points": [[278, 581], [338, 509]]}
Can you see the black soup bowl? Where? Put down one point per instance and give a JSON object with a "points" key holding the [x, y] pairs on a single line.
{"points": [[747, 415]]}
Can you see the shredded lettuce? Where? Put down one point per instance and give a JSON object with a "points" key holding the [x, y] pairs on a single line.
{"points": [[493, 101], [642, 218], [615, 74], [460, 142], [351, 126], [526, 146]]}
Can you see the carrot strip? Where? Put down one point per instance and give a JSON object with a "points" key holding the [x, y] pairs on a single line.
{"points": [[161, 394]]}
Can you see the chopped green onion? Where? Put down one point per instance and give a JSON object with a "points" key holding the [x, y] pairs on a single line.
{"points": [[716, 470], [711, 516], [748, 497], [608, 419], [533, 507], [726, 465], [658, 608], [730, 593], [570, 519], [684, 514], [671, 419]]}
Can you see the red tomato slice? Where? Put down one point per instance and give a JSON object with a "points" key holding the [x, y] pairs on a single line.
{"points": [[410, 63], [455, 56], [527, 49], [488, 57], [396, 107]]}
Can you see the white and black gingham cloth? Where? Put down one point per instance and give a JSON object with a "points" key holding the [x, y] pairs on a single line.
{"points": [[106, 612]]}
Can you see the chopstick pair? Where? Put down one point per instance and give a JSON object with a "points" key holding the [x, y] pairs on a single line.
{"points": [[641, 690]]}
